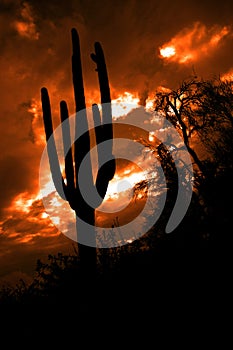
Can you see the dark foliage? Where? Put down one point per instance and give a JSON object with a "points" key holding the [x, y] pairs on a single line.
{"points": [[184, 275]]}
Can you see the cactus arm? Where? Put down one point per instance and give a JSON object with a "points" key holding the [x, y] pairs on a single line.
{"points": [[47, 117], [106, 172], [51, 146], [68, 156], [81, 144], [104, 133], [97, 124], [77, 72], [98, 58]]}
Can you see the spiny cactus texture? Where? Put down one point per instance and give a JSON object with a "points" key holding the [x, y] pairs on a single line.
{"points": [[70, 189]]}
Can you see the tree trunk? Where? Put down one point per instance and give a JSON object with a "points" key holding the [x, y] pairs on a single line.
{"points": [[197, 161]]}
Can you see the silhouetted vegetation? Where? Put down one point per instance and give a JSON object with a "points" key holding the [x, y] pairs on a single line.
{"points": [[158, 271]]}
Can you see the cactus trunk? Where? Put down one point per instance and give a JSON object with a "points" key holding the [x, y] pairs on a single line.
{"points": [[70, 190]]}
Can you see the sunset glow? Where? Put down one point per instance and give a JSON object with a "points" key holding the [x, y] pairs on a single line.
{"points": [[23, 202], [124, 103], [149, 48], [26, 26], [123, 183], [227, 76], [193, 43], [37, 128], [168, 51]]}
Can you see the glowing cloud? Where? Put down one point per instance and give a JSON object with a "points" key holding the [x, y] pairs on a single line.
{"points": [[124, 103], [26, 26], [227, 76], [168, 51], [37, 130], [23, 202], [192, 43]]}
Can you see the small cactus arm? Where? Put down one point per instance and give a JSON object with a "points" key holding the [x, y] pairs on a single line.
{"points": [[70, 189]]}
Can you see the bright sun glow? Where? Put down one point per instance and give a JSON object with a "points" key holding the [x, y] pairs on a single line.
{"points": [[193, 42], [123, 183], [168, 51], [123, 104], [150, 103], [23, 203], [227, 76]]}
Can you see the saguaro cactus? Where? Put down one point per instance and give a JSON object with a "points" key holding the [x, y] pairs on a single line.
{"points": [[70, 190]]}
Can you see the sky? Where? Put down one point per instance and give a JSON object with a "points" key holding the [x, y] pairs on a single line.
{"points": [[147, 45]]}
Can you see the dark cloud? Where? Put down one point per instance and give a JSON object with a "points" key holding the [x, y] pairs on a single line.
{"points": [[38, 53], [26, 236]]}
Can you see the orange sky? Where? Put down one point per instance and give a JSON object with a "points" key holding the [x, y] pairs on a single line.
{"points": [[147, 44]]}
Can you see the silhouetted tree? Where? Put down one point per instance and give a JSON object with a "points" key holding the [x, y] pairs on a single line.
{"points": [[202, 112]]}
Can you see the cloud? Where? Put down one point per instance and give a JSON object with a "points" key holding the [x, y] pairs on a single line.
{"points": [[26, 26], [192, 43], [26, 234]]}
